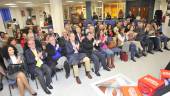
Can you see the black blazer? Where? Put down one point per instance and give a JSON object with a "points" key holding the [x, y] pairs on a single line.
{"points": [[50, 49], [30, 57], [87, 46], [69, 48]]}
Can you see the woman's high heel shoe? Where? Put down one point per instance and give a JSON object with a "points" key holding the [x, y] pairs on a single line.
{"points": [[34, 94]]}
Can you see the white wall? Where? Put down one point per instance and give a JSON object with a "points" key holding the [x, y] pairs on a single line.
{"points": [[160, 5], [163, 6], [2, 27], [16, 13], [157, 5], [38, 12]]}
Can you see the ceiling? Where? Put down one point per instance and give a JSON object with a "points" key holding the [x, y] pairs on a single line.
{"points": [[35, 3]]}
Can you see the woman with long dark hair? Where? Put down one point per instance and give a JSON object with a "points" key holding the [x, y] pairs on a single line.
{"points": [[11, 58]]}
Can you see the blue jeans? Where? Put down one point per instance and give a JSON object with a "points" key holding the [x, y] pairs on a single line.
{"points": [[107, 52], [132, 49]]}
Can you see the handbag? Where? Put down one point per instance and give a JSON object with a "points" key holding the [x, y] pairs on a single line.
{"points": [[14, 68], [112, 44]]}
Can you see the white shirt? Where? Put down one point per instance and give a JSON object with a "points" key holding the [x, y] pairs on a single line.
{"points": [[74, 47], [14, 59], [121, 38]]}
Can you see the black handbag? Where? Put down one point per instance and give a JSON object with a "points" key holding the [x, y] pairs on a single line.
{"points": [[13, 68]]}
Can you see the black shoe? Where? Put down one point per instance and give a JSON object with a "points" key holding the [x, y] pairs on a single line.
{"points": [[166, 48], [34, 94], [160, 50], [78, 80], [143, 53], [107, 69], [47, 91], [50, 87], [150, 52], [133, 59], [97, 74], [88, 75], [67, 69], [137, 55], [1, 86]]}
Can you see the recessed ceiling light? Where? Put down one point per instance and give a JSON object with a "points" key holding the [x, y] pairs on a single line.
{"points": [[70, 1], [23, 2], [10, 4], [13, 6], [99, 1]]}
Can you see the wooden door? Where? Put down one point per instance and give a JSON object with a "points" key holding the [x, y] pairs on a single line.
{"points": [[134, 11], [144, 12]]}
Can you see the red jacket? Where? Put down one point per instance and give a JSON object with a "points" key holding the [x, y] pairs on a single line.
{"points": [[23, 41]]}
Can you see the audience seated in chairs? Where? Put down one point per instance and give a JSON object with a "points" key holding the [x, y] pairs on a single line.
{"points": [[34, 58], [143, 38], [55, 56], [12, 62], [74, 57], [96, 56], [102, 39], [89, 41]]}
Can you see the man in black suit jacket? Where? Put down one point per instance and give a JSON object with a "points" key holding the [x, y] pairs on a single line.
{"points": [[55, 55], [74, 57], [34, 59], [95, 55]]}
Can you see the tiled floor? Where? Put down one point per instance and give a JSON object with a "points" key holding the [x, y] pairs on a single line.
{"points": [[134, 70]]}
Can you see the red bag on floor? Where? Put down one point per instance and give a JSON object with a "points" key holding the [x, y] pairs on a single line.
{"points": [[149, 85], [130, 91], [165, 74], [124, 56]]}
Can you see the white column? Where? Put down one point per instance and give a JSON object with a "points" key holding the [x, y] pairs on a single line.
{"points": [[163, 6], [57, 16], [157, 5], [2, 27]]}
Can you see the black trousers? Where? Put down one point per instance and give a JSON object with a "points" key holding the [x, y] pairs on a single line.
{"points": [[146, 43], [52, 64], [44, 75], [156, 42], [97, 57]]}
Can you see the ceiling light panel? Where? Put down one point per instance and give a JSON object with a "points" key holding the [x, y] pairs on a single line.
{"points": [[22, 2], [10, 4]]}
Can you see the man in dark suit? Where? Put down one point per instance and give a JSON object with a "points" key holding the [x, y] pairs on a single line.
{"points": [[95, 55], [34, 59], [74, 57], [55, 55], [2, 68]]}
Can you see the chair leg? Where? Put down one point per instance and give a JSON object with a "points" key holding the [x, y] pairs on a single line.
{"points": [[10, 90], [28, 80], [56, 76], [36, 83]]}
